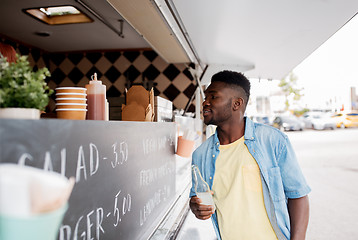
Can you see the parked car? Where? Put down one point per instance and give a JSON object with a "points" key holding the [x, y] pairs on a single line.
{"points": [[323, 121], [307, 121], [288, 123], [344, 120], [261, 119], [318, 120]]}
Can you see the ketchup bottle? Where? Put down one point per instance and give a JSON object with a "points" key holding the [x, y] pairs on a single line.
{"points": [[96, 99]]}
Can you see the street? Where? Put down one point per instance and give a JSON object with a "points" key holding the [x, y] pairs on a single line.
{"points": [[329, 160]]}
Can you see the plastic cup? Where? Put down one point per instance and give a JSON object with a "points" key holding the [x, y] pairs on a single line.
{"points": [[185, 147], [71, 100], [71, 95], [70, 113], [70, 90], [71, 105], [40, 227]]}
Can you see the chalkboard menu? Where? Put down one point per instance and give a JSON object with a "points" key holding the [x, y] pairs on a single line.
{"points": [[124, 171]]}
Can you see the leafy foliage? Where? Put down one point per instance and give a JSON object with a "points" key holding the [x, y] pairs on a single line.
{"points": [[288, 86], [299, 113], [21, 87]]}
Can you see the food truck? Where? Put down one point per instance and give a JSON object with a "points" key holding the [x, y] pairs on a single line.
{"points": [[129, 181]]}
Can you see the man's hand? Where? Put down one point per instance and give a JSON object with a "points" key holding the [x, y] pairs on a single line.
{"points": [[200, 211]]}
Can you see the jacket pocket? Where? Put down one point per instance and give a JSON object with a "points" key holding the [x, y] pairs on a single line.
{"points": [[276, 186]]}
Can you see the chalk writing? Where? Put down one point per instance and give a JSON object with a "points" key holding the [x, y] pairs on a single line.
{"points": [[148, 176], [122, 157], [65, 232], [152, 145], [93, 221], [126, 207], [158, 196], [81, 169]]}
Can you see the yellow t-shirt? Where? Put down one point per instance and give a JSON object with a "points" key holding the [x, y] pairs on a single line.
{"points": [[238, 195]]}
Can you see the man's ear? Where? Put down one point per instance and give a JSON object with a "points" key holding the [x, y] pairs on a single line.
{"points": [[238, 103]]}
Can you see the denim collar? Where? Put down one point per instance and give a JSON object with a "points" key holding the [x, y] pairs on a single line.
{"points": [[249, 129], [248, 135]]}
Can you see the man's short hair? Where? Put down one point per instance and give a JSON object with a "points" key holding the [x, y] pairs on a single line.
{"points": [[234, 79]]}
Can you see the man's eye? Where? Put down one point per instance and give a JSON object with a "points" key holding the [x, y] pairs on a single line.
{"points": [[210, 97]]}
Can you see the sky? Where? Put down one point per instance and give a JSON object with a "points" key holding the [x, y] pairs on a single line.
{"points": [[330, 71]]}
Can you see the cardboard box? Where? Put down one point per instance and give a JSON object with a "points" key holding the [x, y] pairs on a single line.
{"points": [[139, 105]]}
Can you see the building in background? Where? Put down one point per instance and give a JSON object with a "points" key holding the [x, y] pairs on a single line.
{"points": [[267, 99], [354, 99]]}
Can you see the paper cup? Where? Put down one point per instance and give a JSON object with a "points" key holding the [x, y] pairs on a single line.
{"points": [[71, 95], [70, 90], [71, 100], [185, 147], [40, 227], [71, 105], [70, 113]]}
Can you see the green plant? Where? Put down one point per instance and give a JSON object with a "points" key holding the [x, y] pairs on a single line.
{"points": [[299, 113], [289, 87], [21, 87]]}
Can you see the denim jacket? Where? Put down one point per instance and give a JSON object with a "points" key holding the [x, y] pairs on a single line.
{"points": [[281, 175]]}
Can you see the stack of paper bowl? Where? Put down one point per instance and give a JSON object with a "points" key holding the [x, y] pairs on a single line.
{"points": [[71, 103]]}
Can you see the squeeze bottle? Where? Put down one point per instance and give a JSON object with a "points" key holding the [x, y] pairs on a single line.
{"points": [[202, 189], [96, 99]]}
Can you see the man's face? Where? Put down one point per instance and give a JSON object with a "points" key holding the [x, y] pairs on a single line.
{"points": [[217, 107]]}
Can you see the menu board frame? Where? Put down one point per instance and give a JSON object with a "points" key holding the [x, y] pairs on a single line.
{"points": [[125, 171]]}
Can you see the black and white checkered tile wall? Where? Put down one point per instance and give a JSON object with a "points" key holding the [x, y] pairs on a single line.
{"points": [[117, 70]]}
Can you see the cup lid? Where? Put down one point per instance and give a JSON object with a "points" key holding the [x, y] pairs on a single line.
{"points": [[71, 109], [71, 88], [59, 99], [70, 93], [72, 104]]}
